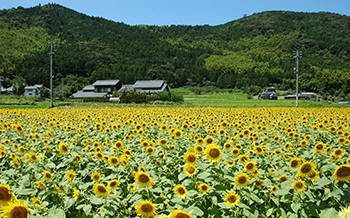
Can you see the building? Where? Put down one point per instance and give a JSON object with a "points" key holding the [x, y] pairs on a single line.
{"points": [[34, 91], [101, 89], [98, 91], [151, 86]]}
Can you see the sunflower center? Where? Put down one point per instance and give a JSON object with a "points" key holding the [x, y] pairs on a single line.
{"points": [[232, 199], [191, 158], [242, 179], [306, 168], [181, 191], [294, 163], [146, 208], [19, 212], [214, 152], [114, 183], [250, 166], [5, 194], [209, 141], [343, 171], [204, 187], [319, 147], [143, 178], [101, 189], [299, 185], [191, 170], [337, 152], [182, 215], [114, 160]]}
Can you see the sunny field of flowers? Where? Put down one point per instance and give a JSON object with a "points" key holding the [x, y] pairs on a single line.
{"points": [[175, 162]]}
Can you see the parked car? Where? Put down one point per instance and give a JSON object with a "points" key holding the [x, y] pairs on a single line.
{"points": [[269, 93], [303, 96]]}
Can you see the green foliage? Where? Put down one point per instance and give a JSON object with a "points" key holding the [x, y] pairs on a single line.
{"points": [[254, 51]]}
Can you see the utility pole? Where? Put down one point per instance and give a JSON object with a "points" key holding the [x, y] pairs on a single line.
{"points": [[296, 69], [51, 73]]}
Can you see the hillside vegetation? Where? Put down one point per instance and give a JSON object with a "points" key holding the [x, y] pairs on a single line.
{"points": [[248, 54]]}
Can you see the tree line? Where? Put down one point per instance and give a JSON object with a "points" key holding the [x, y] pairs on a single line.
{"points": [[250, 53]]}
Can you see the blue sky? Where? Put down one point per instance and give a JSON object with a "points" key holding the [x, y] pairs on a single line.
{"points": [[184, 12]]}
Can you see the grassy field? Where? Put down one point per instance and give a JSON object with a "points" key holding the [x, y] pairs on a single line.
{"points": [[225, 99]]}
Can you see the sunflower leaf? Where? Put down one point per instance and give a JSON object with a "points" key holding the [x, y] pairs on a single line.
{"points": [[56, 213], [295, 207], [26, 191], [330, 212], [68, 202], [96, 200], [87, 209], [223, 205], [322, 182]]}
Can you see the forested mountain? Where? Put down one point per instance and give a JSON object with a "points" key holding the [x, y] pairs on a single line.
{"points": [[249, 53]]}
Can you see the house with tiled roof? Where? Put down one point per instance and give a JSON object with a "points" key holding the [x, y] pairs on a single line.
{"points": [[98, 91], [151, 86]]}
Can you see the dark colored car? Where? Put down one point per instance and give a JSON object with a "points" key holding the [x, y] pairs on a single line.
{"points": [[269, 93]]}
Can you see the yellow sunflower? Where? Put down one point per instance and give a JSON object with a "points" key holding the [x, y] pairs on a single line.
{"points": [[203, 188], [70, 175], [319, 147], [180, 191], [250, 166], [76, 194], [295, 162], [230, 163], [258, 150], [41, 184], [100, 190], [283, 178], [95, 176], [35, 201], [113, 184], [235, 151], [213, 153], [6, 195], [16, 209], [228, 145], [209, 140], [299, 185], [243, 158], [342, 173], [146, 209], [132, 187], [338, 153], [190, 158], [143, 179], [190, 170], [259, 183], [231, 198], [242, 180], [113, 160], [179, 214], [163, 142], [306, 169], [47, 175], [63, 148], [78, 157]]}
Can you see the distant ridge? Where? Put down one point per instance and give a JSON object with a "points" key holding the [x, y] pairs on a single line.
{"points": [[249, 53]]}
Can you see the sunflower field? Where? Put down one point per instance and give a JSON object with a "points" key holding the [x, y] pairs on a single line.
{"points": [[175, 162]]}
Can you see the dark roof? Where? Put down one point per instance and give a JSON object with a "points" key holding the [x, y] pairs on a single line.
{"points": [[81, 94], [142, 84], [106, 82]]}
